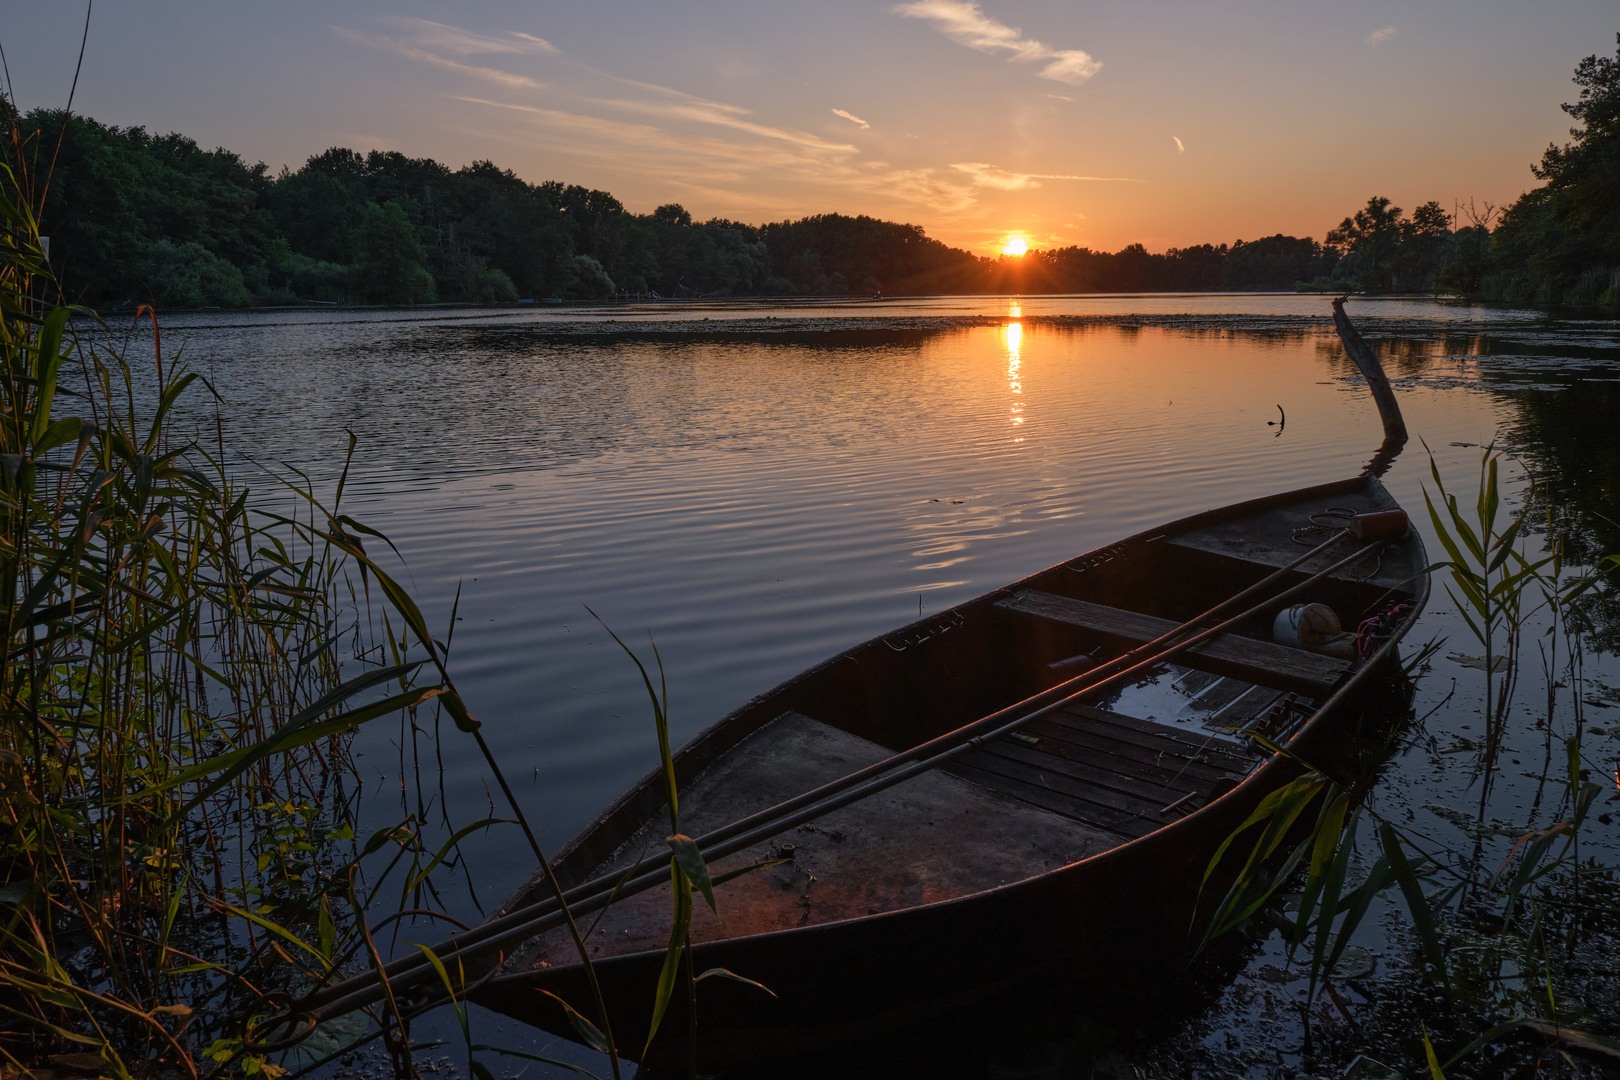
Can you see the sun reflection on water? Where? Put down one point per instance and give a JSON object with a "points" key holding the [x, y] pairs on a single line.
{"points": [[1014, 335]]}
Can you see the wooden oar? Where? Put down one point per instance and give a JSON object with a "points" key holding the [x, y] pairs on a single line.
{"points": [[525, 922]]}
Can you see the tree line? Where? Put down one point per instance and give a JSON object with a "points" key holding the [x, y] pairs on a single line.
{"points": [[136, 217]]}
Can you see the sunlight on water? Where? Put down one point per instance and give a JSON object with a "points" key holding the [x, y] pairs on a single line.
{"points": [[1015, 385], [758, 502]]}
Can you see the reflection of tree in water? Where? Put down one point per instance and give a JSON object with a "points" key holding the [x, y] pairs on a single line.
{"points": [[1568, 441], [1403, 356]]}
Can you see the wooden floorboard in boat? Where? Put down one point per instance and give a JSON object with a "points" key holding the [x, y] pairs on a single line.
{"points": [[1053, 774], [1092, 773], [1269, 538], [1156, 738], [1123, 824], [1115, 772], [1253, 703], [1208, 751], [1213, 699], [1080, 745], [1145, 765]]}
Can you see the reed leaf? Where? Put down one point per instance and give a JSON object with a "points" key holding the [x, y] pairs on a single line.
{"points": [[723, 973], [588, 1032], [690, 860], [1435, 1072], [680, 925], [541, 1059], [1417, 902]]}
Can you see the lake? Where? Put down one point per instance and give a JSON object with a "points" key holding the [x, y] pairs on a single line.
{"points": [[759, 486]]}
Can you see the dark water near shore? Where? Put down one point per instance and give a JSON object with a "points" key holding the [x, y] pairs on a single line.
{"points": [[760, 487]]}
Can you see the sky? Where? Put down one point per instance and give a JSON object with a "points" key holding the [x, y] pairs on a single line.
{"points": [[1099, 123]]}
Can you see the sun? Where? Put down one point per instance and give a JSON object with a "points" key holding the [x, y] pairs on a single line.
{"points": [[1015, 245]]}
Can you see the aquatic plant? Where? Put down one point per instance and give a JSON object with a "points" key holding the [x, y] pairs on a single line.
{"points": [[1533, 907]]}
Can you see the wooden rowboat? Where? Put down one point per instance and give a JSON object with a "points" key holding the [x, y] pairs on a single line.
{"points": [[1068, 846]]}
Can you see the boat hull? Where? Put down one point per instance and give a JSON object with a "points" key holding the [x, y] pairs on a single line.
{"points": [[1128, 912]]}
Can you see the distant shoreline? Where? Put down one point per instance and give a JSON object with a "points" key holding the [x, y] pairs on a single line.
{"points": [[787, 300]]}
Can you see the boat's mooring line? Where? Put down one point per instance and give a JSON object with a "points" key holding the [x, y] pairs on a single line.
{"points": [[526, 922]]}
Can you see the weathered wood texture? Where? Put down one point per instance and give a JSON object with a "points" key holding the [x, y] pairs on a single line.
{"points": [[1258, 661], [1277, 536], [925, 841], [1367, 360], [1113, 772]]}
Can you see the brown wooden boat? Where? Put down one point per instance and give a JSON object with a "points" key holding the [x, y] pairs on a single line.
{"points": [[1063, 849]]}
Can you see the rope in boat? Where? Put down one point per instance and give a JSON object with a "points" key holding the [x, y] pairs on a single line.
{"points": [[543, 915], [1338, 519]]}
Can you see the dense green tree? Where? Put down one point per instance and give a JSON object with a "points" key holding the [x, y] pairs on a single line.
{"points": [[1561, 242], [1467, 262], [388, 259], [285, 277], [1194, 269], [591, 281], [317, 208], [867, 254], [672, 214], [190, 276], [1425, 243], [1275, 262], [513, 225], [114, 192], [1584, 174], [711, 259]]}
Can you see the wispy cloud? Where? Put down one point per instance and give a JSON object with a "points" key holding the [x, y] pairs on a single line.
{"points": [[671, 140], [440, 46], [700, 111], [1179, 148], [458, 42], [535, 43], [994, 176], [965, 24], [700, 163], [1378, 37]]}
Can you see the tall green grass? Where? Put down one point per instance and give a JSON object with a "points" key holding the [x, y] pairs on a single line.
{"points": [[180, 676]]}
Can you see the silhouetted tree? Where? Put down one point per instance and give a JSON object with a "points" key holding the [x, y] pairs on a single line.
{"points": [[1372, 236], [1561, 242]]}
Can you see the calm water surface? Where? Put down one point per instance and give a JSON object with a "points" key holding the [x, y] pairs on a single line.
{"points": [[758, 496]]}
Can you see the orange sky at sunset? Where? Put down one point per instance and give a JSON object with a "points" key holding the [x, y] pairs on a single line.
{"points": [[1096, 124]]}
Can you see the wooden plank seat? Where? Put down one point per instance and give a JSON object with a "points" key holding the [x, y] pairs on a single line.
{"points": [[1263, 662]]}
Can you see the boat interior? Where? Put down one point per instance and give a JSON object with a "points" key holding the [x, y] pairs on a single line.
{"points": [[1097, 773]]}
